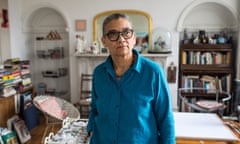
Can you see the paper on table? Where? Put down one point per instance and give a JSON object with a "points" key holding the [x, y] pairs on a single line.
{"points": [[206, 126]]}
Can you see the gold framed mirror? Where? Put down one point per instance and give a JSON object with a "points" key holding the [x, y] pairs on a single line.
{"points": [[142, 25]]}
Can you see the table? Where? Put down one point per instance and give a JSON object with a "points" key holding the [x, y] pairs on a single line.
{"points": [[73, 131], [203, 128]]}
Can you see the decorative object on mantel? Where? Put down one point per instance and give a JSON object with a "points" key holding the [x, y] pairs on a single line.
{"points": [[142, 43], [161, 41], [171, 73], [80, 44], [94, 48]]}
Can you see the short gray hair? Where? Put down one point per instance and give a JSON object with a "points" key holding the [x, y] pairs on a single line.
{"points": [[114, 16]]}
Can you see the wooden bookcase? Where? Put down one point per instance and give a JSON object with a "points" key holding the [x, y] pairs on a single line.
{"points": [[206, 66]]}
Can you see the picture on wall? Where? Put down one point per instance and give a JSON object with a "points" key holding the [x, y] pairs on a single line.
{"points": [[81, 25], [4, 15]]}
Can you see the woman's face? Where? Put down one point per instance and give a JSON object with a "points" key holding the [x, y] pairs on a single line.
{"points": [[119, 45]]}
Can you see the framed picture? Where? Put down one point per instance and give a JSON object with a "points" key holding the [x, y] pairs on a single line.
{"points": [[81, 25]]}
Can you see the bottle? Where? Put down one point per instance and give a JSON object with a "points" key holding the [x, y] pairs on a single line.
{"points": [[202, 37]]}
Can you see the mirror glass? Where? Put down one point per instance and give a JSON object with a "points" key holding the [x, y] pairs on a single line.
{"points": [[142, 25]]}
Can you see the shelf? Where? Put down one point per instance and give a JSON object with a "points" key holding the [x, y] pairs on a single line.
{"points": [[201, 95], [30, 88], [219, 68], [206, 47], [51, 66]]}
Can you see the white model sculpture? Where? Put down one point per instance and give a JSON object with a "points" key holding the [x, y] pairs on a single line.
{"points": [[80, 43]]}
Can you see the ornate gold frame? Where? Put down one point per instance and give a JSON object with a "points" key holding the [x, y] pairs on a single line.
{"points": [[95, 20]]}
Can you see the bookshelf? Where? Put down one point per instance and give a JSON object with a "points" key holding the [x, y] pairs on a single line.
{"points": [[207, 66]]}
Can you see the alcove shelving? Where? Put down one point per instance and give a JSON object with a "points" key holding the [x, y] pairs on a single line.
{"points": [[212, 17], [50, 52]]}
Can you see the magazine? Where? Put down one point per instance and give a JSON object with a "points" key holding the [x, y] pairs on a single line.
{"points": [[21, 130]]}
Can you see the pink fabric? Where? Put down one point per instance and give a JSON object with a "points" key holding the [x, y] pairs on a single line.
{"points": [[52, 107], [210, 105]]}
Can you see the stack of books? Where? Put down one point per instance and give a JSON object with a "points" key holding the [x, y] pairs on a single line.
{"points": [[10, 77], [14, 76], [25, 75]]}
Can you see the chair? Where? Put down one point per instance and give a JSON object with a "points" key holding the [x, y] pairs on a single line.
{"points": [[55, 110], [85, 95], [203, 100]]}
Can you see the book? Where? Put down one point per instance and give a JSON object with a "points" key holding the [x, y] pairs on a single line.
{"points": [[9, 137]]}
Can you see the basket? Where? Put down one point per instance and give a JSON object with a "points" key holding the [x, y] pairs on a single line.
{"points": [[71, 111]]}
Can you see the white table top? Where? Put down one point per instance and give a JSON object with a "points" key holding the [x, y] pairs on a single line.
{"points": [[204, 126]]}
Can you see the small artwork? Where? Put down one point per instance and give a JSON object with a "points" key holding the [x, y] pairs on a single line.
{"points": [[4, 15], [171, 73], [81, 25], [142, 42]]}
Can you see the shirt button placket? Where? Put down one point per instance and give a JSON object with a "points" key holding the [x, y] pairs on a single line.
{"points": [[116, 118]]}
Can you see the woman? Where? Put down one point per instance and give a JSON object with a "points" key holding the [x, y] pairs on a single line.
{"points": [[130, 96]]}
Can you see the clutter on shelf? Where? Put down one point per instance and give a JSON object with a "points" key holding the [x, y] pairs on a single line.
{"points": [[52, 35], [14, 76]]}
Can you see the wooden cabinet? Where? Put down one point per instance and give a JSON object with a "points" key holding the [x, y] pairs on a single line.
{"points": [[7, 106], [207, 66], [7, 109]]}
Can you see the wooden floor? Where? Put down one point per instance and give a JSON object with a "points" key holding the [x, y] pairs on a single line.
{"points": [[38, 132]]}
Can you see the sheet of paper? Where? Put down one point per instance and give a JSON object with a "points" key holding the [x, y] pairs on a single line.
{"points": [[206, 126]]}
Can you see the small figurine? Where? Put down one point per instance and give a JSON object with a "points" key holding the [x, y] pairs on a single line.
{"points": [[94, 48], [79, 44]]}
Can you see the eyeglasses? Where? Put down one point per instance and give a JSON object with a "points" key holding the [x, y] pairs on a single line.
{"points": [[114, 35]]}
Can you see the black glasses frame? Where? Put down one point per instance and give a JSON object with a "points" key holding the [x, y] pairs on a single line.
{"points": [[123, 33]]}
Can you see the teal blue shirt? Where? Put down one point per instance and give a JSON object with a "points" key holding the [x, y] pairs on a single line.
{"points": [[133, 110]]}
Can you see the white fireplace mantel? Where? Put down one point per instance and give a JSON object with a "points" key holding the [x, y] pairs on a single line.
{"points": [[87, 62]]}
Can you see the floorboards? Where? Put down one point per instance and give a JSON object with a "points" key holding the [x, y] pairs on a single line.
{"points": [[38, 132]]}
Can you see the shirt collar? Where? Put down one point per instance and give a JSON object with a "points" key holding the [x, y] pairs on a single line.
{"points": [[108, 65]]}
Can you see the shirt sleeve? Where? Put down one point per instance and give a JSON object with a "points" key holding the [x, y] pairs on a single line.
{"points": [[93, 111], [163, 110]]}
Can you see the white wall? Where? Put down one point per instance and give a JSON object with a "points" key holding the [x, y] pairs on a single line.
{"points": [[4, 35], [165, 13]]}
